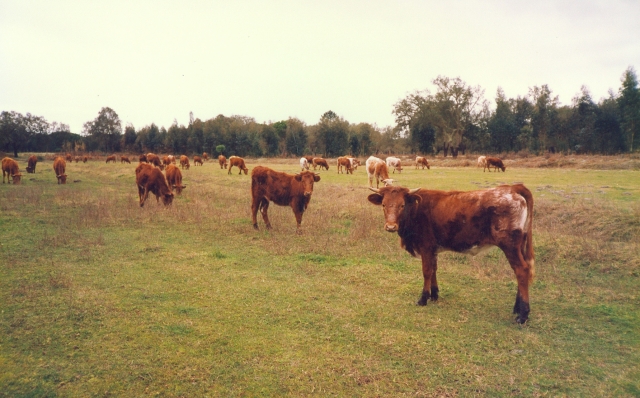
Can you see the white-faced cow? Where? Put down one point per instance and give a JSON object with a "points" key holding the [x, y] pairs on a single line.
{"points": [[304, 164], [282, 189], [421, 161], [429, 222], [395, 163]]}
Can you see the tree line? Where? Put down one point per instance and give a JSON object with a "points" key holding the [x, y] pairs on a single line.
{"points": [[456, 118]]}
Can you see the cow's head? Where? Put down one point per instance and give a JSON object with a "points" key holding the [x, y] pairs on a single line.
{"points": [[167, 198], [62, 179], [387, 182], [179, 188], [29, 169], [307, 178], [395, 201], [246, 170], [16, 178]]}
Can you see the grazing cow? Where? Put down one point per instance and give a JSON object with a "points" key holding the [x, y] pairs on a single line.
{"points": [[205, 156], [197, 160], [150, 179], [395, 163], [59, 166], [124, 159], [111, 158], [11, 169], [320, 162], [377, 168], [143, 158], [184, 162], [155, 160], [422, 161], [31, 164], [282, 189], [166, 161], [239, 162], [354, 164], [68, 157], [344, 161], [84, 159], [223, 161], [77, 159], [304, 164], [174, 178], [496, 163], [429, 222], [482, 162]]}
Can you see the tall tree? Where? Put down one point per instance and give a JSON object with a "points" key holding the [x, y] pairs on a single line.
{"points": [[296, 136], [105, 129], [16, 129], [544, 112], [629, 103], [332, 134], [502, 125]]}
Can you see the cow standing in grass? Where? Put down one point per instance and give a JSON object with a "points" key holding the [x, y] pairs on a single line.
{"points": [[496, 163], [395, 163], [282, 189], [12, 170], [238, 162], [197, 160], [429, 222], [320, 162], [151, 179], [222, 160], [344, 161], [377, 168], [125, 159], [59, 166], [174, 178], [422, 161], [31, 164], [110, 158]]}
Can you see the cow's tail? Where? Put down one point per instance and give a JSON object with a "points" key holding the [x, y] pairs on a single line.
{"points": [[527, 248]]}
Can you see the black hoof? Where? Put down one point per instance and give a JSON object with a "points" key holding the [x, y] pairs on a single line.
{"points": [[521, 320], [255, 226], [423, 299], [434, 293]]}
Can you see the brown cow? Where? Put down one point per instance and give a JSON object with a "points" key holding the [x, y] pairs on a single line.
{"points": [[422, 161], [196, 160], [31, 164], [11, 168], [77, 159], [59, 166], [377, 168], [124, 159], [111, 158], [205, 156], [223, 161], [429, 222], [142, 158], [495, 162], [344, 161], [184, 162], [172, 159], [320, 162], [155, 160], [68, 157], [150, 179], [239, 162], [166, 161], [354, 163], [84, 159], [282, 189], [174, 178]]}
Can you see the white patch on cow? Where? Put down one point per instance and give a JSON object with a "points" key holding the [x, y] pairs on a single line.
{"points": [[475, 250]]}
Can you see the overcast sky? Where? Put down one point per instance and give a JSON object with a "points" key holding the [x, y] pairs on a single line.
{"points": [[155, 61]]}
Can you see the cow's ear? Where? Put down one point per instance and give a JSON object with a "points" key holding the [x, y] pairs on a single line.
{"points": [[298, 177], [413, 199], [316, 177], [375, 198]]}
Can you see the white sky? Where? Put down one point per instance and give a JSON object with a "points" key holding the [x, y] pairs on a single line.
{"points": [[154, 61]]}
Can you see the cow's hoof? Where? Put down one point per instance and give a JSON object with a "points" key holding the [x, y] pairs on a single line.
{"points": [[521, 320], [255, 226]]}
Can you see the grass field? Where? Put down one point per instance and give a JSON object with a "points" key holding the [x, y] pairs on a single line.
{"points": [[99, 297]]}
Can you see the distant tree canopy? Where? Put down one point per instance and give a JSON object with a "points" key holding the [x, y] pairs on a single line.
{"points": [[456, 117]]}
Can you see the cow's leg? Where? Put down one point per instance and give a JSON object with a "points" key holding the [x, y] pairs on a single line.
{"points": [[430, 287], [140, 194], [144, 196], [255, 205], [298, 209], [264, 206], [523, 274]]}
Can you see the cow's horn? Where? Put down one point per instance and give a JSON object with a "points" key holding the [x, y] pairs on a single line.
{"points": [[374, 190], [412, 191]]}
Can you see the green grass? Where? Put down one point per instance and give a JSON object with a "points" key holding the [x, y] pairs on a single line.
{"points": [[101, 297]]}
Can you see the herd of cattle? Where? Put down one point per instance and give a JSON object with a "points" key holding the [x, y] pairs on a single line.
{"points": [[427, 221]]}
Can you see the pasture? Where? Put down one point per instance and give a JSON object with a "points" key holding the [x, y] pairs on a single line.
{"points": [[100, 297]]}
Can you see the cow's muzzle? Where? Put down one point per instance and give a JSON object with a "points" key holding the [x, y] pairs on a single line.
{"points": [[391, 227], [307, 194]]}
